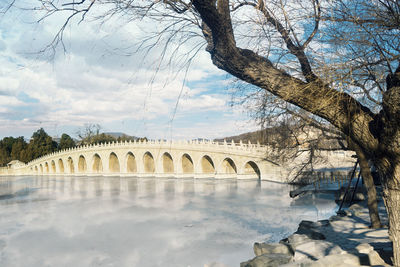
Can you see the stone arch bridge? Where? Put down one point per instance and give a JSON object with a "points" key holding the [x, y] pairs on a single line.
{"points": [[198, 159]]}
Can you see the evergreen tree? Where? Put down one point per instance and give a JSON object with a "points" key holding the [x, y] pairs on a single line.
{"points": [[4, 158], [66, 142], [40, 144], [11, 148], [18, 146]]}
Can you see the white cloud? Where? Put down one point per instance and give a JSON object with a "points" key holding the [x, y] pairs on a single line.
{"points": [[101, 80]]}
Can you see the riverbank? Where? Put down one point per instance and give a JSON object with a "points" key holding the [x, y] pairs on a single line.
{"points": [[344, 240]]}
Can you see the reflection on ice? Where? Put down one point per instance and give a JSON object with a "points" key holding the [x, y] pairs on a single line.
{"points": [[123, 221]]}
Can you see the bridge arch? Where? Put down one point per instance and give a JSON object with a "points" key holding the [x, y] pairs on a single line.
{"points": [[207, 165], [180, 159], [148, 163], [53, 166], [97, 164], [168, 163], [228, 166], [46, 167], [82, 166], [71, 165], [61, 166], [113, 163], [252, 168], [187, 164], [131, 165]]}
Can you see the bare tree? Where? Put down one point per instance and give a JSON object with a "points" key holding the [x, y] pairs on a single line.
{"points": [[88, 132], [338, 60], [298, 139]]}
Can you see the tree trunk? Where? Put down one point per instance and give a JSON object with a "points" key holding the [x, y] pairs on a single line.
{"points": [[390, 174], [388, 132], [369, 184], [392, 200]]}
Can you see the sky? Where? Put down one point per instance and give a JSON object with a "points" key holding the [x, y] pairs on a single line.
{"points": [[101, 78]]}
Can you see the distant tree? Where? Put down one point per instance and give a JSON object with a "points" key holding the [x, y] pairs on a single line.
{"points": [[124, 138], [40, 145], [25, 155], [18, 147], [88, 132], [7, 143], [12, 148], [102, 138], [66, 142], [4, 158]]}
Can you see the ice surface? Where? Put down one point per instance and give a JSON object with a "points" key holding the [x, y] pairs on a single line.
{"points": [[120, 221]]}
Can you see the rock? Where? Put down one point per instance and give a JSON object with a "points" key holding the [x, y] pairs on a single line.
{"points": [[375, 258], [306, 224], [315, 250], [345, 260], [322, 223], [342, 260], [364, 248], [335, 218], [296, 239], [268, 260], [311, 233], [312, 229], [358, 196], [343, 213], [314, 225], [356, 209], [266, 248]]}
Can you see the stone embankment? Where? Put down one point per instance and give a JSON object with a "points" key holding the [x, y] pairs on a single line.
{"points": [[344, 240]]}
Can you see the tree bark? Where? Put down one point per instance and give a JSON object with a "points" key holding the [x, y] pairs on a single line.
{"points": [[392, 200], [370, 186], [390, 173], [388, 133]]}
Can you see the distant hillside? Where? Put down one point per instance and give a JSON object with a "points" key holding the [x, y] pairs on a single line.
{"points": [[253, 137], [264, 136], [120, 135], [285, 136]]}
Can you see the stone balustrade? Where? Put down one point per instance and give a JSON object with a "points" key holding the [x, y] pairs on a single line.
{"points": [[194, 158]]}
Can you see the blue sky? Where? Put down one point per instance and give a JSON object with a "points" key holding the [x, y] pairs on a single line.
{"points": [[100, 79]]}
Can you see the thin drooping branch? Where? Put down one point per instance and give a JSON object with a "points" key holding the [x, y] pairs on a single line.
{"points": [[295, 49], [317, 11], [312, 122]]}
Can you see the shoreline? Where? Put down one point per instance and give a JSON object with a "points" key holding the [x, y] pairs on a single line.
{"points": [[341, 240]]}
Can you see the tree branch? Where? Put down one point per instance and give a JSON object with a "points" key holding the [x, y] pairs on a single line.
{"points": [[339, 108]]}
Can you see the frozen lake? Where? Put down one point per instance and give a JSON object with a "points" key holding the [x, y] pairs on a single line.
{"points": [[122, 221]]}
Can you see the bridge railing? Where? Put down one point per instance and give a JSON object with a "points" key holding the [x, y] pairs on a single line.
{"points": [[193, 143]]}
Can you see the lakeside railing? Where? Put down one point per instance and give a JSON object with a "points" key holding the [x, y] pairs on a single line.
{"points": [[320, 178]]}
